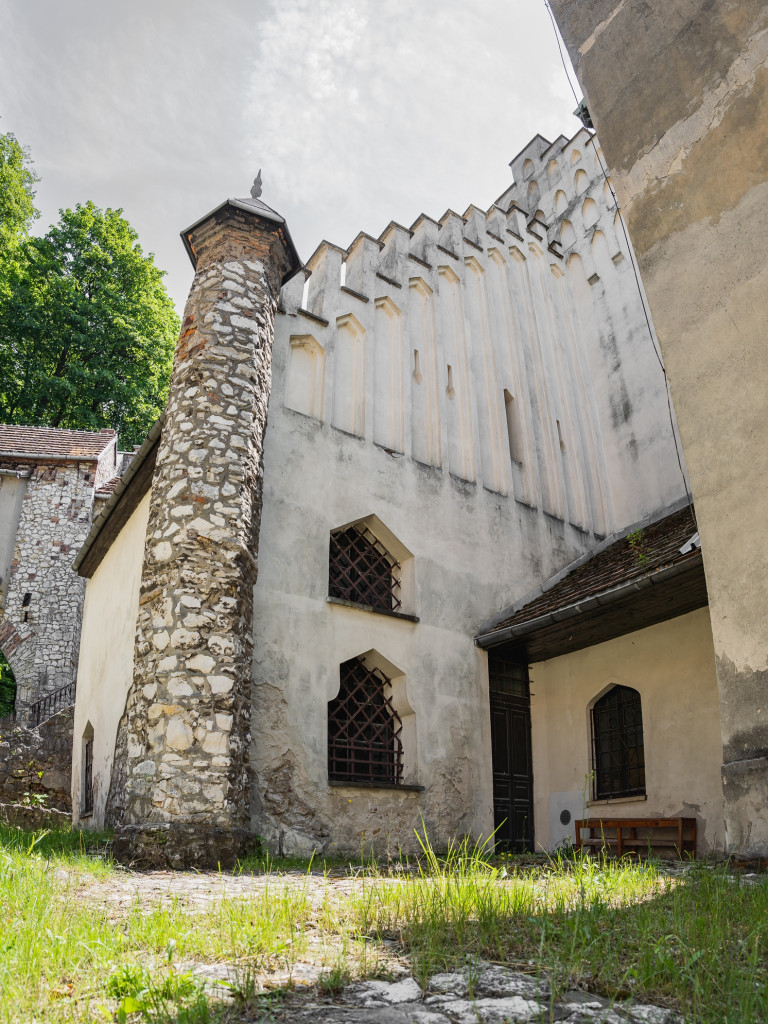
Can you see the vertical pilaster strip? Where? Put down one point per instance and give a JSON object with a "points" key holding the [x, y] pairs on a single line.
{"points": [[180, 786]]}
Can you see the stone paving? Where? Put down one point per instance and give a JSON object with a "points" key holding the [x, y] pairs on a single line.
{"points": [[486, 994], [498, 996], [482, 993]]}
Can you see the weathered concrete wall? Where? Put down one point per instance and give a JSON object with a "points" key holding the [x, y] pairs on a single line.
{"points": [[389, 400], [35, 763], [105, 668], [678, 91], [187, 717], [672, 666], [566, 186]]}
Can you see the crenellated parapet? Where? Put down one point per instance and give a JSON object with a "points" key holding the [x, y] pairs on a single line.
{"points": [[468, 343]]}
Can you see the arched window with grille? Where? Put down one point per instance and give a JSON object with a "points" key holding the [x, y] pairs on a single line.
{"points": [[361, 570], [364, 729], [618, 755]]}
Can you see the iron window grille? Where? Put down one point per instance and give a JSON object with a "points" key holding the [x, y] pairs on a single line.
{"points": [[88, 778], [361, 570], [364, 730], [618, 755]]}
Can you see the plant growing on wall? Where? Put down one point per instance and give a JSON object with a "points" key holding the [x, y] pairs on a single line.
{"points": [[635, 540], [7, 688]]}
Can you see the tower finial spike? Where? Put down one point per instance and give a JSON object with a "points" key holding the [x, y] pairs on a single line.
{"points": [[256, 187]]}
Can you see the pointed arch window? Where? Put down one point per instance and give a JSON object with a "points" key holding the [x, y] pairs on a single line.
{"points": [[87, 770], [618, 753], [361, 570], [364, 730]]}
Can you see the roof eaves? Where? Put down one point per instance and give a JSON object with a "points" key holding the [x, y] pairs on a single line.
{"points": [[606, 597], [506, 613], [98, 523]]}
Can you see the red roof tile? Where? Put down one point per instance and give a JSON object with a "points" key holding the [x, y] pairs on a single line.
{"points": [[653, 547], [108, 487], [48, 441]]}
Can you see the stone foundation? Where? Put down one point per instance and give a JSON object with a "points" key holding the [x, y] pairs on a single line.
{"points": [[21, 816], [36, 764], [179, 846]]}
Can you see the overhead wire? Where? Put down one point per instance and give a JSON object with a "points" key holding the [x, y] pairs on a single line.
{"points": [[633, 264]]}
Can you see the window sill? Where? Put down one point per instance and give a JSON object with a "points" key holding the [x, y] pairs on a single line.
{"points": [[607, 801], [398, 787], [370, 608]]}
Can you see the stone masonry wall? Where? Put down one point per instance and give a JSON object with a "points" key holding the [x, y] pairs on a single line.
{"points": [[35, 764], [182, 753], [40, 622]]}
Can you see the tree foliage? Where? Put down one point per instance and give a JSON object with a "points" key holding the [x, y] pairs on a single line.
{"points": [[17, 195], [87, 329]]}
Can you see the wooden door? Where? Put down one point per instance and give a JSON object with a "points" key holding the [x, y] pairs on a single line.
{"points": [[511, 754]]}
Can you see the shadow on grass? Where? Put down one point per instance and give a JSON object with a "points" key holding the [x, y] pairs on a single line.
{"points": [[696, 941]]}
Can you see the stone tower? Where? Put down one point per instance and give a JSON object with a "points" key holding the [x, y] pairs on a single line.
{"points": [[180, 786]]}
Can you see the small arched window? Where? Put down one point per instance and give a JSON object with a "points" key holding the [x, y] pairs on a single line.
{"points": [[360, 569], [618, 757], [364, 730], [87, 770]]}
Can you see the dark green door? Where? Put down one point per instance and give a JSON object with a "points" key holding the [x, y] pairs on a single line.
{"points": [[511, 753]]}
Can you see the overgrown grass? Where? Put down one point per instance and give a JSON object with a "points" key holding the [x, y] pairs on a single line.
{"points": [[698, 942], [621, 928]]}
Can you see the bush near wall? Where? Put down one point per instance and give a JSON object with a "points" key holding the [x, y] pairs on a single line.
{"points": [[7, 688]]}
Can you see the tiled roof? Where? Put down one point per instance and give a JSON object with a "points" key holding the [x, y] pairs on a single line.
{"points": [[48, 441], [108, 487], [647, 550]]}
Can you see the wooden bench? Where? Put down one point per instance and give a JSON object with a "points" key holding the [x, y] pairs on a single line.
{"points": [[637, 835]]}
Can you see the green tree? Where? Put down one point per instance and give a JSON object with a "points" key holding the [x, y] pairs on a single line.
{"points": [[87, 329], [17, 194]]}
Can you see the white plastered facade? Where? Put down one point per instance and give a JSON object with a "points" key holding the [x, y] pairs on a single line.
{"points": [[499, 411], [105, 669]]}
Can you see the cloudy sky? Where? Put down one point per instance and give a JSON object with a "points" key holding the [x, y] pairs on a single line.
{"points": [[358, 111]]}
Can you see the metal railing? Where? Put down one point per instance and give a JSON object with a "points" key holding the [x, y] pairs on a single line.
{"points": [[47, 706]]}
